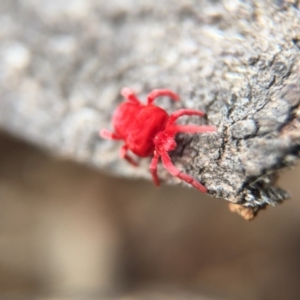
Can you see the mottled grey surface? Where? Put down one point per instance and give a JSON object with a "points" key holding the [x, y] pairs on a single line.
{"points": [[62, 64]]}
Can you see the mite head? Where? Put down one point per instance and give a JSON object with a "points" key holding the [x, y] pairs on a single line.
{"points": [[164, 142]]}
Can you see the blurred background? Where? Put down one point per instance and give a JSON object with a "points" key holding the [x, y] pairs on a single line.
{"points": [[67, 231]]}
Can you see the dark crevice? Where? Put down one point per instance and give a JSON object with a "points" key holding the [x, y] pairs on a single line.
{"points": [[296, 42]]}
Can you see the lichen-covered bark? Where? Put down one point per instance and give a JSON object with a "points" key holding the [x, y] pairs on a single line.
{"points": [[62, 64]]}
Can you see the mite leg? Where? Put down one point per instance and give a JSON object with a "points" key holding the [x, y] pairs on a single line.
{"points": [[128, 94], [123, 154], [184, 112], [153, 168], [159, 93], [104, 133], [193, 128], [177, 173]]}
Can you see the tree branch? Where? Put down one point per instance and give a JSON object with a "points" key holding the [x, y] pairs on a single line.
{"points": [[63, 65]]}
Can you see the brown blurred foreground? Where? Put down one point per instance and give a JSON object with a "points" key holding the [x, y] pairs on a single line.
{"points": [[67, 231]]}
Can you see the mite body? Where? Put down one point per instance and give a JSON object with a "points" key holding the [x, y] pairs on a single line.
{"points": [[148, 130]]}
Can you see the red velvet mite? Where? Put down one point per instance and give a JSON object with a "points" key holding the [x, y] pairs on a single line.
{"points": [[148, 130]]}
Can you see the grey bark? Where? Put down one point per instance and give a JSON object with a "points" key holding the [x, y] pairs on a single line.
{"points": [[63, 63]]}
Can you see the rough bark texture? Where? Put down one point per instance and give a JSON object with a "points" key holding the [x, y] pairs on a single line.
{"points": [[62, 64]]}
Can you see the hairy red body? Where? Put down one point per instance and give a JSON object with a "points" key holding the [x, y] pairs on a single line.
{"points": [[138, 124], [148, 130]]}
